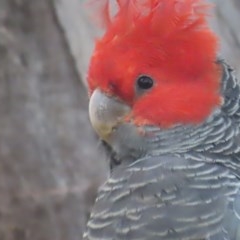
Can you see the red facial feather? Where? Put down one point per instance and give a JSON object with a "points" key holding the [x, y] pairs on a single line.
{"points": [[168, 40]]}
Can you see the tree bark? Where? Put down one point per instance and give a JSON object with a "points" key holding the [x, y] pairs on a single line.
{"points": [[226, 23], [48, 153]]}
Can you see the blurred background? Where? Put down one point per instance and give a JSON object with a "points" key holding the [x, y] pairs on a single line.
{"points": [[50, 160]]}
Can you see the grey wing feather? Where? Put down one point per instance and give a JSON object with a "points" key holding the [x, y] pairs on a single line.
{"points": [[166, 198]]}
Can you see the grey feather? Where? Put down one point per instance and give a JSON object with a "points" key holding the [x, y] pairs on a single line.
{"points": [[176, 199], [181, 183]]}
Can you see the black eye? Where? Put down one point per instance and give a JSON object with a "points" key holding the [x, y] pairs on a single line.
{"points": [[144, 82]]}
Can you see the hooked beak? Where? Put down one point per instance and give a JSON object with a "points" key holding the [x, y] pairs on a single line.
{"points": [[106, 113]]}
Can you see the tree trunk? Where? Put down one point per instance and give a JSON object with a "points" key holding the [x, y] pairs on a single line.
{"points": [[226, 23], [48, 153]]}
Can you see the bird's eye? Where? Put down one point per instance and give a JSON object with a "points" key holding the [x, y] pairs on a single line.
{"points": [[144, 82]]}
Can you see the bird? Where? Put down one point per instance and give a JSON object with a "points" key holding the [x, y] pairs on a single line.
{"points": [[167, 109]]}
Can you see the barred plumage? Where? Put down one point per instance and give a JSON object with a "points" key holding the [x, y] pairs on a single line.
{"points": [[185, 184]]}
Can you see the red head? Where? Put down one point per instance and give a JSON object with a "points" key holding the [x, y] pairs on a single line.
{"points": [[169, 41]]}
